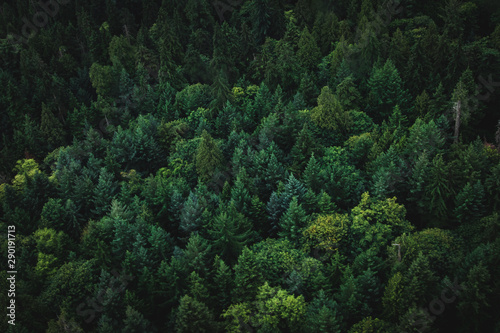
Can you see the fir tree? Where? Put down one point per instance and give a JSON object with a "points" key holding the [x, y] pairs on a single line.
{"points": [[329, 113], [193, 316], [208, 156], [308, 53], [293, 222]]}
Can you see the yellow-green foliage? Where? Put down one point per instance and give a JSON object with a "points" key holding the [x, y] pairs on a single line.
{"points": [[24, 168], [326, 232]]}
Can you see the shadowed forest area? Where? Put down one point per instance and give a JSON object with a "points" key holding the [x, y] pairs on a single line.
{"points": [[250, 166]]}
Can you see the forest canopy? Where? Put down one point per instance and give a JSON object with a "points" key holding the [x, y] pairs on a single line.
{"points": [[250, 165]]}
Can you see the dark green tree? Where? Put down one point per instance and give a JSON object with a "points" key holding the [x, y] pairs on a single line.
{"points": [[193, 316], [208, 156], [386, 91], [308, 51]]}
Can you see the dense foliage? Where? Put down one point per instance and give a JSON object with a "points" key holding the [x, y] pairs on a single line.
{"points": [[260, 166]]}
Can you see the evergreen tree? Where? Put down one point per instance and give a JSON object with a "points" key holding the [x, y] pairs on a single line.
{"points": [[329, 113], [223, 283], [348, 95], [208, 156], [231, 231], [386, 91], [308, 53], [248, 277], [323, 314], [304, 148], [313, 174], [469, 202], [135, 322], [293, 222], [279, 203], [51, 128], [104, 193], [437, 190], [190, 218], [193, 316]]}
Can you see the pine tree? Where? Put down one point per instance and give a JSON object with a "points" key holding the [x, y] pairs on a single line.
{"points": [[469, 202], [476, 299], [325, 204], [419, 281], [422, 105], [437, 190], [304, 148], [313, 174], [196, 254], [308, 88], [248, 277], [323, 314], [135, 322], [104, 193], [329, 113], [223, 283], [51, 128], [394, 297], [386, 91], [208, 156], [279, 203], [190, 218], [193, 316], [198, 13], [197, 287], [230, 232], [439, 103], [267, 19], [240, 194], [308, 53], [348, 95], [293, 222], [122, 53], [399, 50], [257, 214]]}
